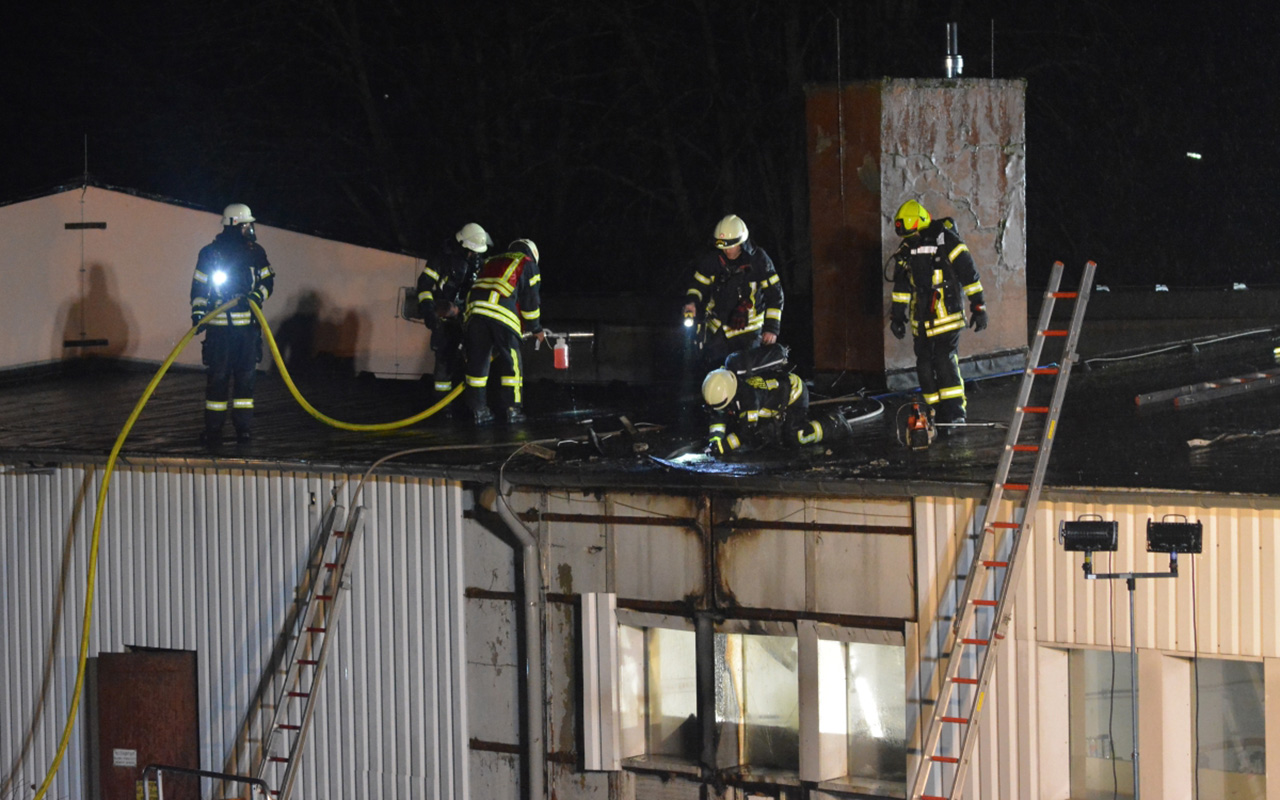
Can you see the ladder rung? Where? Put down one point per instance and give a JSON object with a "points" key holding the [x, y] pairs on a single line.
{"points": [[308, 662], [1006, 525], [1064, 295], [299, 694], [1026, 448], [287, 727], [1017, 487], [988, 603], [945, 759], [995, 563], [312, 629], [1044, 370], [1035, 409], [279, 759], [956, 720], [933, 797], [324, 597], [1053, 333], [966, 681], [331, 565], [983, 642], [339, 534]]}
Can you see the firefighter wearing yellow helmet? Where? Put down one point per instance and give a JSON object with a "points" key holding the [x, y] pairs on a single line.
{"points": [[736, 290], [934, 275]]}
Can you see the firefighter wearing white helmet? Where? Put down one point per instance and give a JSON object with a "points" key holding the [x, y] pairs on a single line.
{"points": [[934, 275], [232, 266], [504, 302], [755, 399], [443, 284], [736, 292]]}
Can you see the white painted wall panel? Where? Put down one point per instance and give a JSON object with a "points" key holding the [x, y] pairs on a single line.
{"points": [[195, 560]]}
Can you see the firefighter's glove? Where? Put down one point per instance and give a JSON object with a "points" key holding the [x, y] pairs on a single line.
{"points": [[196, 317], [715, 447], [898, 328], [256, 297], [740, 316], [978, 318]]}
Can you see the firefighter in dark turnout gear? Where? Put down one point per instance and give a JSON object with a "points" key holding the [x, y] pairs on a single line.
{"points": [[503, 301], [933, 276], [756, 400], [443, 285], [232, 265], [738, 293]]}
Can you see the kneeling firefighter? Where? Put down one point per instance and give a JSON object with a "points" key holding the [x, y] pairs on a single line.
{"points": [[756, 400]]}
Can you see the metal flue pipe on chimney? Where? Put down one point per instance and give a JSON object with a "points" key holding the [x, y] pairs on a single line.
{"points": [[955, 62]]}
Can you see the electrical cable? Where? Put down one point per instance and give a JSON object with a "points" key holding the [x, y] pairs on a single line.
{"points": [[1195, 669]]}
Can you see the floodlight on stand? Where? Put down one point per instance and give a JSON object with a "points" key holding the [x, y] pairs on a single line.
{"points": [[1088, 534], [1174, 537]]}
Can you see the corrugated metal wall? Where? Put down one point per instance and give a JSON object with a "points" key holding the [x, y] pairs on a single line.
{"points": [[204, 560], [1223, 604]]}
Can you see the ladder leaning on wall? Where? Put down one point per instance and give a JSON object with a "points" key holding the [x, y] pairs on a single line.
{"points": [[326, 589], [982, 611]]}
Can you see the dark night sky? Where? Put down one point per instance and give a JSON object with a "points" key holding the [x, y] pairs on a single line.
{"points": [[615, 132]]}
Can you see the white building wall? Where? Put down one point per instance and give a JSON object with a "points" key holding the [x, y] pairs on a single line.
{"points": [[129, 283], [195, 559]]}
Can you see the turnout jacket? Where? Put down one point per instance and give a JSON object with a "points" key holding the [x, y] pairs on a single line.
{"points": [[739, 296], [247, 273], [933, 273], [771, 405], [445, 280], [506, 290]]}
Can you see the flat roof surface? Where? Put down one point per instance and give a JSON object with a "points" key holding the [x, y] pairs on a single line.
{"points": [[1104, 440]]}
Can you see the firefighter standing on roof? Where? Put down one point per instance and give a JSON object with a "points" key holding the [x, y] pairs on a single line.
{"points": [[232, 265], [502, 302], [738, 293], [934, 275], [443, 285]]}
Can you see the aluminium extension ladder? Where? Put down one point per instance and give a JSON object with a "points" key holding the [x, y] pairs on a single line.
{"points": [[295, 703], [981, 614]]}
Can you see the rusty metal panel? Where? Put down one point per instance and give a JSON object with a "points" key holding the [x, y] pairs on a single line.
{"points": [[960, 147], [576, 557], [560, 657]]}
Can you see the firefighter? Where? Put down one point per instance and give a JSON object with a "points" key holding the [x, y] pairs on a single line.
{"points": [[443, 285], [233, 265], [933, 276], [738, 293], [756, 400], [503, 301]]}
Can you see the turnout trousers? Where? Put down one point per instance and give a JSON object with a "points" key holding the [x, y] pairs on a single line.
{"points": [[447, 344], [489, 340], [231, 355], [938, 370]]}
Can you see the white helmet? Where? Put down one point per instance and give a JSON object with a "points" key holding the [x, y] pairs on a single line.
{"points": [[730, 231], [236, 214], [719, 387], [525, 246], [474, 238]]}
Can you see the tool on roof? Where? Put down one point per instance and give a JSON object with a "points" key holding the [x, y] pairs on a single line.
{"points": [[947, 742]]}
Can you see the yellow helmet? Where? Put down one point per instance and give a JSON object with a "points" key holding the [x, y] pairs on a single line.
{"points": [[911, 218], [719, 387]]}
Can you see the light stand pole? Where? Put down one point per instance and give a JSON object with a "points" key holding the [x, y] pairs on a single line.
{"points": [[1097, 535]]}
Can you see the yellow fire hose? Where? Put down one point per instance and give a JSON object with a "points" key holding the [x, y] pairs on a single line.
{"points": [[91, 579]]}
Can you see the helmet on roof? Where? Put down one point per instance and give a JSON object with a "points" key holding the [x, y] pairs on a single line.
{"points": [[719, 387], [730, 231], [236, 214], [474, 238], [525, 246], [911, 219]]}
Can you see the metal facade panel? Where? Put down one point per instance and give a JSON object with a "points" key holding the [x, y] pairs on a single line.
{"points": [[208, 561]]}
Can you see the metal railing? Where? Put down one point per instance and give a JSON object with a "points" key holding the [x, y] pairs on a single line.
{"points": [[259, 786]]}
